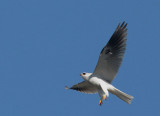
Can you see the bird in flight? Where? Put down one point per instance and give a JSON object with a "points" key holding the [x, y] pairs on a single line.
{"points": [[107, 67]]}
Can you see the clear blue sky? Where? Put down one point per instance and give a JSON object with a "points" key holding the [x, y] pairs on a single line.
{"points": [[45, 45]]}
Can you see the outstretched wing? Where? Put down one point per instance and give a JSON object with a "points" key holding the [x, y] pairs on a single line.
{"points": [[112, 54], [84, 87]]}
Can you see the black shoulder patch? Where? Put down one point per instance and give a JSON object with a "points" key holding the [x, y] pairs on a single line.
{"points": [[108, 51], [102, 50]]}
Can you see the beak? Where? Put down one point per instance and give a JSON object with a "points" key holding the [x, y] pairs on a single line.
{"points": [[81, 74]]}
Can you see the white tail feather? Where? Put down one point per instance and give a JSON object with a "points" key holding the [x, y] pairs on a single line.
{"points": [[125, 97]]}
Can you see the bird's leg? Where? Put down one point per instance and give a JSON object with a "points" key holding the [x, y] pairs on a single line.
{"points": [[102, 98], [105, 97], [100, 101]]}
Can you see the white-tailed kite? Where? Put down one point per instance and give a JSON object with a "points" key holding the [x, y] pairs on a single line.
{"points": [[107, 67]]}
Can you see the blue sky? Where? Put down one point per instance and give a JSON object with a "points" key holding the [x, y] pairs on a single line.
{"points": [[45, 45]]}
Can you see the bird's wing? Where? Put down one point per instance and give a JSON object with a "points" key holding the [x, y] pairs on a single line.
{"points": [[84, 87], [112, 54]]}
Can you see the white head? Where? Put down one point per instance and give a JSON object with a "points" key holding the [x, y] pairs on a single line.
{"points": [[85, 75]]}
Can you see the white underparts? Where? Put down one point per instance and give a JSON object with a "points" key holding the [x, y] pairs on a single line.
{"points": [[102, 86]]}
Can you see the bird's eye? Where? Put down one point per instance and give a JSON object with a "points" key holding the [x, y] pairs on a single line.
{"points": [[84, 73]]}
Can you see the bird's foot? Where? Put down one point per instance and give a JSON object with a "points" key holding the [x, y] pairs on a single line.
{"points": [[100, 102], [105, 97]]}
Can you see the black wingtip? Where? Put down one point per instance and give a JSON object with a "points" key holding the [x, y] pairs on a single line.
{"points": [[66, 87], [125, 25], [122, 23]]}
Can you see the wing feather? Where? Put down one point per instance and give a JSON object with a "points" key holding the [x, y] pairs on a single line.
{"points": [[84, 87], [112, 54]]}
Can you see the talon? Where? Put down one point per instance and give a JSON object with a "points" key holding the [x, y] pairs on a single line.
{"points": [[100, 102], [105, 97]]}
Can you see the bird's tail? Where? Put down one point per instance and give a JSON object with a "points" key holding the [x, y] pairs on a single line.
{"points": [[125, 97]]}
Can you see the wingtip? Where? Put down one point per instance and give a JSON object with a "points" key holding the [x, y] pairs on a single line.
{"points": [[66, 87], [124, 24]]}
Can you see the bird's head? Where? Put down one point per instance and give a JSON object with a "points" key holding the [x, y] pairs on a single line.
{"points": [[85, 75]]}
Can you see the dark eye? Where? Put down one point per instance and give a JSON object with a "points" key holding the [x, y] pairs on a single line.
{"points": [[84, 73]]}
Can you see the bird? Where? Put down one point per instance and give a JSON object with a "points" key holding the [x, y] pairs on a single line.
{"points": [[109, 62]]}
